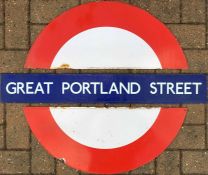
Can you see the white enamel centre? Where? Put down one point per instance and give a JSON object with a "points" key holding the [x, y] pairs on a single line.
{"points": [[104, 128], [106, 47]]}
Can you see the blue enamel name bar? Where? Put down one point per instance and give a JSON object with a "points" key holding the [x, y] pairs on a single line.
{"points": [[104, 88]]}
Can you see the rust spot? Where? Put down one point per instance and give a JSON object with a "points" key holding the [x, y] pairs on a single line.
{"points": [[61, 107], [64, 66]]}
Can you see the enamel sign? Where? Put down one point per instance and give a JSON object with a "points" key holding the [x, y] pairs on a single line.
{"points": [[105, 140]]}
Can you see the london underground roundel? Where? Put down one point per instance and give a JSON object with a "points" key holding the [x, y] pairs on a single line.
{"points": [[109, 35]]}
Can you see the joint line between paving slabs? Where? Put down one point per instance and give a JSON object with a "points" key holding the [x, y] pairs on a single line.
{"points": [[180, 7], [206, 119], [206, 18], [4, 28], [29, 29], [180, 162], [155, 163]]}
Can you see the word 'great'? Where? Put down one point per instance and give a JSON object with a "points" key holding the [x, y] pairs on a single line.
{"points": [[99, 88]]}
